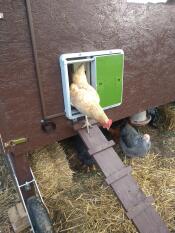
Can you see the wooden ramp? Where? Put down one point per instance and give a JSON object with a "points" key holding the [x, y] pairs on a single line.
{"points": [[138, 207]]}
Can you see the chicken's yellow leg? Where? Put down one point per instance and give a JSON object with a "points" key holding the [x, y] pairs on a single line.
{"points": [[87, 124]]}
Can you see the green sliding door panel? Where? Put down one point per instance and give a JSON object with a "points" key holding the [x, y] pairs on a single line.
{"points": [[109, 79]]}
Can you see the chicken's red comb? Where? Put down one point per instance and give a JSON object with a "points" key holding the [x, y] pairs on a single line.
{"points": [[108, 124]]}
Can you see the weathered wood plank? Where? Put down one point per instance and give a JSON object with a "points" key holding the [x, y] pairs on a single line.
{"points": [[136, 210], [102, 147], [118, 175], [134, 201]]}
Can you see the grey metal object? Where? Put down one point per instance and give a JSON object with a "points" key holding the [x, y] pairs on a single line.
{"points": [[140, 119]]}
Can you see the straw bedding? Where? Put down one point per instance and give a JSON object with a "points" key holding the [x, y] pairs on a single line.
{"points": [[81, 202], [85, 204], [168, 116], [8, 197]]}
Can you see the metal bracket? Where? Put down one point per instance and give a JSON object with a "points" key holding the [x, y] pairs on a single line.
{"points": [[15, 142]]}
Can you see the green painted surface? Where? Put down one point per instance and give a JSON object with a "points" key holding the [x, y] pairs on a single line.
{"points": [[109, 75]]}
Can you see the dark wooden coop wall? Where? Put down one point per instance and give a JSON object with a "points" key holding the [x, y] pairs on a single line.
{"points": [[146, 33]]}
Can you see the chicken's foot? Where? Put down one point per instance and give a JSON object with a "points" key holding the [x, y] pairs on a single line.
{"points": [[87, 124]]}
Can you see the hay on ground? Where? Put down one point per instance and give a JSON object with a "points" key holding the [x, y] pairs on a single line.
{"points": [[86, 205], [8, 197], [155, 175], [53, 175], [83, 203], [168, 114]]}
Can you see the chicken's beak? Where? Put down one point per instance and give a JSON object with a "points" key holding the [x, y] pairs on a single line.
{"points": [[108, 124], [108, 127]]}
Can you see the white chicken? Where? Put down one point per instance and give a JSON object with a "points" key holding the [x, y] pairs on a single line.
{"points": [[85, 98]]}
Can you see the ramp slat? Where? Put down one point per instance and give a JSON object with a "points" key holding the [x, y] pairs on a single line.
{"points": [[143, 216]]}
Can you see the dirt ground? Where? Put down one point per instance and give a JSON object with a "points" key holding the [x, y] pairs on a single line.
{"points": [[163, 143]]}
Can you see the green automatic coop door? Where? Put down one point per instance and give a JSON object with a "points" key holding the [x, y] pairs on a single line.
{"points": [[109, 79], [104, 71]]}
